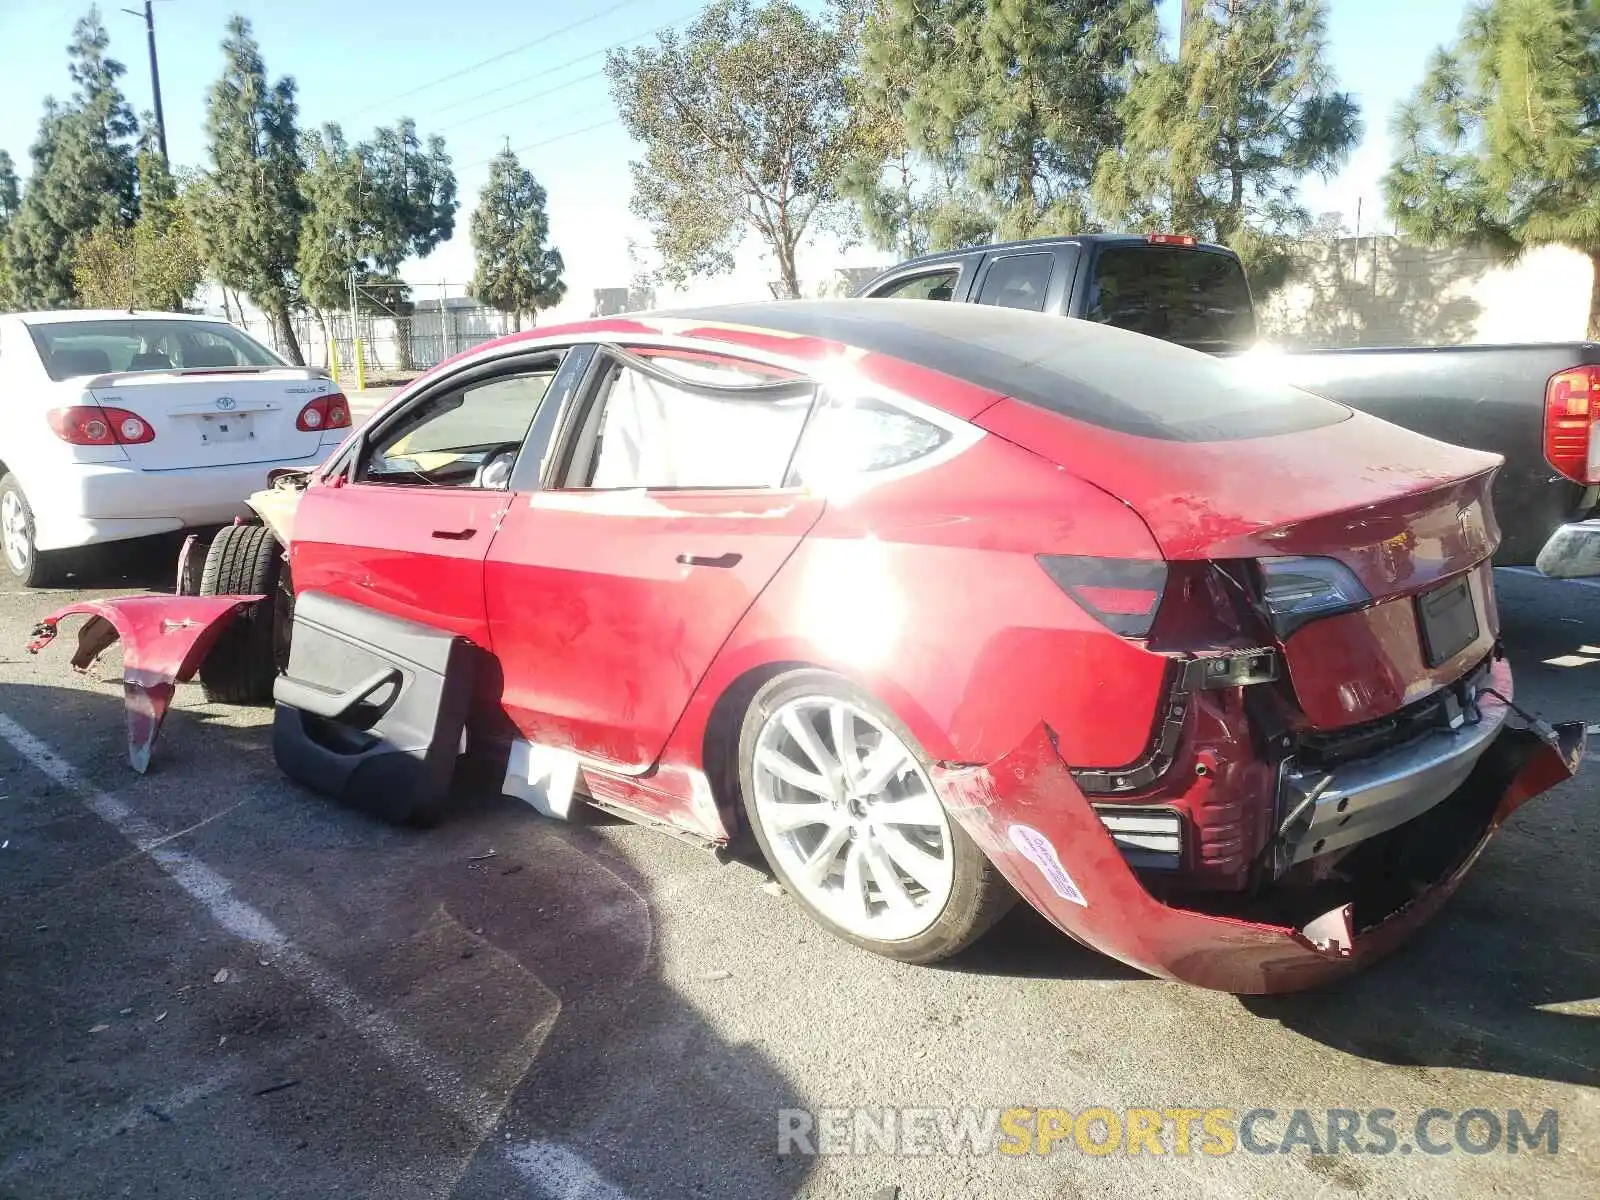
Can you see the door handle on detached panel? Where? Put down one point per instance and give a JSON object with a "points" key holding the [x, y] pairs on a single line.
{"points": [[454, 535], [729, 559]]}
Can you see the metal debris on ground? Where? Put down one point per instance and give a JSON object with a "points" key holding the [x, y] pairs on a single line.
{"points": [[283, 1085], [100, 1028], [161, 1016], [481, 857], [221, 976], [714, 976]]}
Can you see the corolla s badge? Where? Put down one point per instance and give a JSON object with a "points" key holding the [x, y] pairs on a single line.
{"points": [[227, 403]]}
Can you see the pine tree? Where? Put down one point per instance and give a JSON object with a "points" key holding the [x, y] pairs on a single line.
{"points": [[1500, 146], [516, 271], [83, 173], [331, 189], [249, 223], [1220, 135], [10, 200], [411, 195], [369, 208], [909, 200], [158, 190], [1020, 96]]}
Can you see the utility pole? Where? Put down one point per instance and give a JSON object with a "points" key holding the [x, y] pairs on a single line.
{"points": [[155, 72]]}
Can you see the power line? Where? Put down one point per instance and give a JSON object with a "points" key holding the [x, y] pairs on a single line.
{"points": [[506, 87], [548, 71], [560, 137], [560, 87], [493, 58]]}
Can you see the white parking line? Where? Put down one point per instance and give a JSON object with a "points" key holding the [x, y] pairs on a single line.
{"points": [[558, 1170], [216, 894], [135, 1115], [561, 1173], [1533, 574]]}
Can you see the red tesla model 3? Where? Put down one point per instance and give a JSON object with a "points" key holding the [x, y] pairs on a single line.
{"points": [[940, 605]]}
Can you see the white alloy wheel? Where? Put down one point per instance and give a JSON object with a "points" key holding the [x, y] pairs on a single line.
{"points": [[15, 533], [851, 816]]}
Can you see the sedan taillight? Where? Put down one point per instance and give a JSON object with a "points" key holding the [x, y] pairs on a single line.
{"points": [[325, 412], [1121, 593], [97, 425], [1296, 590], [1571, 409]]}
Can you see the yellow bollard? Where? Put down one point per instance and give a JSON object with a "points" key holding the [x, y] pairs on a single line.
{"points": [[361, 367], [333, 358]]}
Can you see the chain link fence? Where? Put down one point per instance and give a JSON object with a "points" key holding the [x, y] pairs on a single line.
{"points": [[391, 347]]}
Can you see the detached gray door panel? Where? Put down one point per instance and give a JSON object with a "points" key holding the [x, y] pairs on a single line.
{"points": [[372, 708]]}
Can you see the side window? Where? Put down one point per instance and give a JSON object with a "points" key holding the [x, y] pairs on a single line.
{"points": [[935, 285], [664, 420], [1017, 281], [463, 437], [856, 436]]}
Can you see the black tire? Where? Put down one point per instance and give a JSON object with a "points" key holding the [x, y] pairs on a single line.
{"points": [[244, 560], [979, 895], [38, 568]]}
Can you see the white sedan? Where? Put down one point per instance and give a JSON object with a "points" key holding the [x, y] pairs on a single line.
{"points": [[119, 425]]}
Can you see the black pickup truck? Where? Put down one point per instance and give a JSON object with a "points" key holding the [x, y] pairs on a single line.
{"points": [[1537, 405]]}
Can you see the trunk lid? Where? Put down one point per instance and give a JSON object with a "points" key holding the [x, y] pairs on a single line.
{"points": [[217, 416], [1409, 516], [1399, 509]]}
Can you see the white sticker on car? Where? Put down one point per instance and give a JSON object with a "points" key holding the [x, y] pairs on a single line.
{"points": [[1036, 848]]}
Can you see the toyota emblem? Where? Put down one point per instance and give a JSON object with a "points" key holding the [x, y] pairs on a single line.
{"points": [[227, 403]]}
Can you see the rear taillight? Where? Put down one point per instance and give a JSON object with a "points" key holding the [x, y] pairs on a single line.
{"points": [[1296, 590], [1571, 399], [325, 412], [97, 425], [1121, 593]]}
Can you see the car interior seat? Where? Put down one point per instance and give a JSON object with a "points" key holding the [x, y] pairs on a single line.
{"points": [[210, 356], [80, 362]]}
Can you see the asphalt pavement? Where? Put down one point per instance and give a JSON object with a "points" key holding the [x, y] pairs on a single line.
{"points": [[215, 984]]}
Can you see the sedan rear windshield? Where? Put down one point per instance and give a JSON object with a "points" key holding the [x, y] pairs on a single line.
{"points": [[1196, 298], [1091, 373], [73, 348]]}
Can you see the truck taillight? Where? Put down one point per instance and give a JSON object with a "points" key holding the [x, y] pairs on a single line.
{"points": [[325, 412], [97, 425], [1121, 593], [1571, 410]]}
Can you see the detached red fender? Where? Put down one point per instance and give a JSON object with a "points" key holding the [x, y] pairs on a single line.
{"points": [[164, 639], [1029, 816]]}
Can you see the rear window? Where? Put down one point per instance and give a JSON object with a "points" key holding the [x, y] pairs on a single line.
{"points": [[1091, 373], [1195, 298], [72, 348]]}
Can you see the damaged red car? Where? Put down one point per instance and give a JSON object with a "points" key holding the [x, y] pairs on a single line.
{"points": [[940, 606]]}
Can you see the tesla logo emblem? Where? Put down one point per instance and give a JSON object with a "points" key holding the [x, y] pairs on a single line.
{"points": [[227, 403]]}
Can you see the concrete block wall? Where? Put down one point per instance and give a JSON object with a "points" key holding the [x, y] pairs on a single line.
{"points": [[1380, 291]]}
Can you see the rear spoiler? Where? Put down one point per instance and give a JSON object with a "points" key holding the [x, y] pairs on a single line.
{"points": [[112, 378]]}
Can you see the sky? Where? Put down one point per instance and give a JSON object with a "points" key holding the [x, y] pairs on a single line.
{"points": [[487, 72]]}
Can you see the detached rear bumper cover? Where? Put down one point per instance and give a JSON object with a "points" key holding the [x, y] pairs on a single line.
{"points": [[1028, 815], [164, 639], [1572, 551]]}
